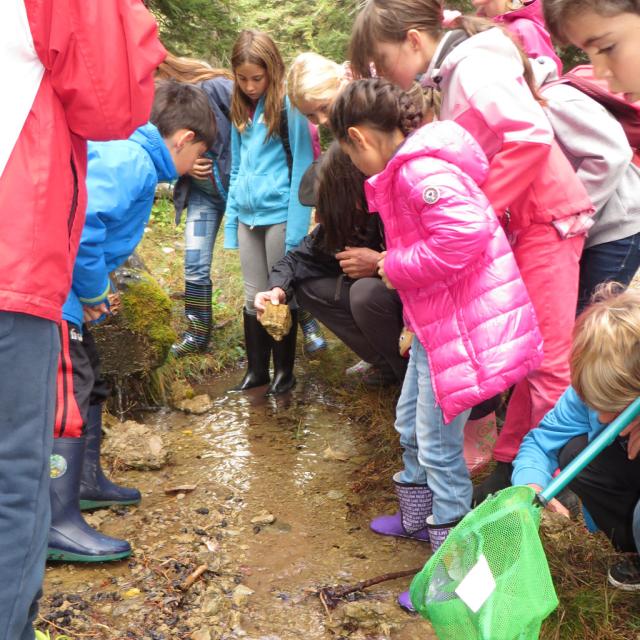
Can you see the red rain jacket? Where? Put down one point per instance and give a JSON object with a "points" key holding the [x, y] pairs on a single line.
{"points": [[95, 82]]}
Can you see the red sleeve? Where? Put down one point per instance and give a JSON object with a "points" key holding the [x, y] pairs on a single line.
{"points": [[101, 56], [511, 172]]}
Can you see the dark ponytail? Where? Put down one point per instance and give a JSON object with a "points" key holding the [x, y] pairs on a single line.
{"points": [[375, 102]]}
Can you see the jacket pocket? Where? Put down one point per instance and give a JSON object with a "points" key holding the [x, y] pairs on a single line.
{"points": [[270, 192]]}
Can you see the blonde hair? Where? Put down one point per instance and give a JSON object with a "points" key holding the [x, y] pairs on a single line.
{"points": [[314, 77], [605, 357], [188, 70], [256, 47]]}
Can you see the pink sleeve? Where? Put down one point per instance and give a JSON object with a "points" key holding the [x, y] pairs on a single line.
{"points": [[102, 57], [454, 229]]}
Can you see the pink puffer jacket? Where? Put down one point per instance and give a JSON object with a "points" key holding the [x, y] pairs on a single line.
{"points": [[450, 261]]}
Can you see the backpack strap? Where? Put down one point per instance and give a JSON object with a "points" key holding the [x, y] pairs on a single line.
{"points": [[284, 136]]}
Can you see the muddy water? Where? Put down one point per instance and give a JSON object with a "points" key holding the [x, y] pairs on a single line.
{"points": [[291, 460]]}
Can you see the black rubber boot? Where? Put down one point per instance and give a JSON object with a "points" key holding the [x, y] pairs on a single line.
{"points": [[71, 539], [96, 490], [197, 310], [284, 357], [258, 345]]}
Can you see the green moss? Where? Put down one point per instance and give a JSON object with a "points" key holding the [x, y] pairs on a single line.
{"points": [[146, 309]]}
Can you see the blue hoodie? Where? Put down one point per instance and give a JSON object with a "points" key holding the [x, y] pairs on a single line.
{"points": [[260, 191], [121, 181], [537, 459]]}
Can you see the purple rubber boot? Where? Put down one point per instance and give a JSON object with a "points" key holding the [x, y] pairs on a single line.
{"points": [[437, 535], [410, 522]]}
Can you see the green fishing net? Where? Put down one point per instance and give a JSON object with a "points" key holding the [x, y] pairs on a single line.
{"points": [[490, 579]]}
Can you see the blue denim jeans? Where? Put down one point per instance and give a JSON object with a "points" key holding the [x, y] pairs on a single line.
{"points": [[204, 215], [29, 349], [616, 260], [433, 450]]}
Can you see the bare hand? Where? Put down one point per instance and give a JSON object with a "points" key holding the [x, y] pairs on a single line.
{"points": [[358, 262], [275, 296], [201, 168], [94, 312], [554, 505], [381, 272], [633, 433]]}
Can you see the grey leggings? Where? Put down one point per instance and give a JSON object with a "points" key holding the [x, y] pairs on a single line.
{"points": [[260, 249]]}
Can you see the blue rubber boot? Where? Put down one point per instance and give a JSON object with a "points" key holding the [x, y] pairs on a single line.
{"points": [[313, 340], [96, 490], [71, 539]]}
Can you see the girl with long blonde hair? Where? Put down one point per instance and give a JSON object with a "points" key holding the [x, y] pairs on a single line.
{"points": [[271, 150]]}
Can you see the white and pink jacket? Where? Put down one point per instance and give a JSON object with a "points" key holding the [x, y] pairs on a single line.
{"points": [[530, 181], [450, 261]]}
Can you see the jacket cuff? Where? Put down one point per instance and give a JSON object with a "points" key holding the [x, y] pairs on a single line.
{"points": [[230, 237], [96, 299]]}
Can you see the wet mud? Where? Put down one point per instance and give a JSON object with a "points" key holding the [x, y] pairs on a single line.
{"points": [[259, 499]]}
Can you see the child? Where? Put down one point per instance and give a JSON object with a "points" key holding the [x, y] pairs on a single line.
{"points": [[313, 82], [525, 21], [349, 298], [487, 87], [599, 151], [475, 328], [271, 149], [609, 33], [121, 181], [605, 378], [77, 74], [203, 191]]}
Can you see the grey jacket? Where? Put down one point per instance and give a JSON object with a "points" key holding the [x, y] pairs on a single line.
{"points": [[597, 148]]}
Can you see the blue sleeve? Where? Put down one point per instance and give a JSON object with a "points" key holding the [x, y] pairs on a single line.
{"points": [[118, 174], [537, 459], [302, 151], [231, 213]]}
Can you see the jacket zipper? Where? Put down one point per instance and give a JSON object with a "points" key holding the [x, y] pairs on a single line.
{"points": [[74, 199]]}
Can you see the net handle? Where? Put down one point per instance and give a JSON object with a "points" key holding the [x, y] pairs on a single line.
{"points": [[594, 448]]}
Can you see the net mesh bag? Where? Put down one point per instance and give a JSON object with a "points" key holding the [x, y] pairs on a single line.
{"points": [[491, 562]]}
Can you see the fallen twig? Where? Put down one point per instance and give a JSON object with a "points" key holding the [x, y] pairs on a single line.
{"points": [[186, 585], [330, 596]]}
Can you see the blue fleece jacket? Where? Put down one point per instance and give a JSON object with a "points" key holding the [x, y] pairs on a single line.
{"points": [[537, 458], [260, 192], [121, 181]]}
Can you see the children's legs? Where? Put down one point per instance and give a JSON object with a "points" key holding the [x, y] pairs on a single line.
{"points": [[609, 488], [204, 215], [636, 526], [253, 262], [440, 448], [617, 260], [29, 349], [74, 383], [549, 267], [405, 424]]}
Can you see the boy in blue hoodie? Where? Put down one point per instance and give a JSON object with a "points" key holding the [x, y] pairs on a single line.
{"points": [[121, 182], [605, 378]]}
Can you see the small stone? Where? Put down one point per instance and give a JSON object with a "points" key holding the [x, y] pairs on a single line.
{"points": [[334, 454], [201, 634], [240, 594], [335, 495], [263, 518], [198, 405]]}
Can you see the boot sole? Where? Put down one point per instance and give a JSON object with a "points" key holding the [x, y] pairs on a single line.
{"points": [[67, 556], [86, 505]]}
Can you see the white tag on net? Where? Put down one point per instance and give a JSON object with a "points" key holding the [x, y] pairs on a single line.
{"points": [[477, 585]]}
